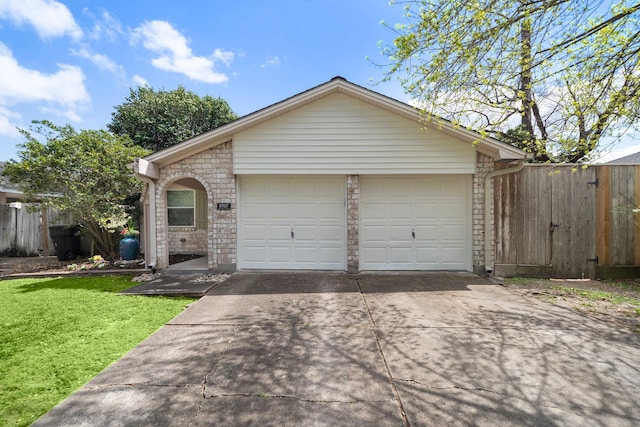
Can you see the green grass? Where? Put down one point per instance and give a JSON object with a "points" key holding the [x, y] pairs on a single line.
{"points": [[590, 295], [57, 334], [618, 291]]}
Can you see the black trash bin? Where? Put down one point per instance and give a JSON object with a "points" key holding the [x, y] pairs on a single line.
{"points": [[66, 240]]}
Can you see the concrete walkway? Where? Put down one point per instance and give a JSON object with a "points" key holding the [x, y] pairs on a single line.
{"points": [[367, 350]]}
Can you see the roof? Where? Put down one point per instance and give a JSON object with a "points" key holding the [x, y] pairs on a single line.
{"points": [[6, 187], [631, 159], [486, 145]]}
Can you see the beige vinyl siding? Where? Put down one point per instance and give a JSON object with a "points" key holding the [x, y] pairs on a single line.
{"points": [[339, 134]]}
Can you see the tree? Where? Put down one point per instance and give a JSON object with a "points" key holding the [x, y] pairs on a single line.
{"points": [[158, 119], [561, 74], [85, 173]]}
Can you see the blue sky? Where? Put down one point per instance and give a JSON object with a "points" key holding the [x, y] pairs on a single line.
{"points": [[72, 61]]}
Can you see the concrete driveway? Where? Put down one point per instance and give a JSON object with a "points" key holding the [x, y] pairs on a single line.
{"points": [[381, 350]]}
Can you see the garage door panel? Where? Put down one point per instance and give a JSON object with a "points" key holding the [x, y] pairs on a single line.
{"points": [[427, 255], [332, 234], [451, 210], [255, 210], [328, 255], [400, 233], [279, 211], [278, 253], [427, 232], [305, 254], [255, 254], [255, 232], [305, 210], [312, 207], [303, 188], [426, 211], [304, 234], [279, 232], [394, 188], [318, 211], [400, 255], [452, 233], [277, 187], [375, 211], [451, 255], [436, 208], [374, 233], [329, 211], [401, 211]]}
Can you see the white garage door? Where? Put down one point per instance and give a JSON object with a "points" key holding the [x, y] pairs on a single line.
{"points": [[415, 223], [292, 223]]}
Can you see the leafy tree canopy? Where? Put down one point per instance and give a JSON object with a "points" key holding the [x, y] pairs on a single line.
{"points": [[560, 74], [86, 173], [159, 119]]}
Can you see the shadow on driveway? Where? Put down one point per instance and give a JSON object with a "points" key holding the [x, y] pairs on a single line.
{"points": [[372, 349]]}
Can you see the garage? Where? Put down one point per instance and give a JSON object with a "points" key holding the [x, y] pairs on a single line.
{"points": [[415, 223], [337, 177], [292, 222]]}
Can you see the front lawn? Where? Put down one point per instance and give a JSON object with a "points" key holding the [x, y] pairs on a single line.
{"points": [[57, 334]]}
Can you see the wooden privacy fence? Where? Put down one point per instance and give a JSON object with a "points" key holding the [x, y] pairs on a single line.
{"points": [[568, 222], [26, 233]]}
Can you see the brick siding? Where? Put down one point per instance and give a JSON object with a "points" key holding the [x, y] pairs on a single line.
{"points": [[213, 168], [484, 165]]}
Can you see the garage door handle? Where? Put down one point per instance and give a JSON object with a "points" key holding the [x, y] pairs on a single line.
{"points": [[293, 235], [413, 233]]}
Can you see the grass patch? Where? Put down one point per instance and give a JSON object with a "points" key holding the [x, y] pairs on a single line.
{"points": [[57, 334], [617, 300], [591, 295]]}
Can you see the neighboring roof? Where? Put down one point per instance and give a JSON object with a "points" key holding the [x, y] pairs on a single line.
{"points": [[631, 159], [492, 147], [6, 187]]}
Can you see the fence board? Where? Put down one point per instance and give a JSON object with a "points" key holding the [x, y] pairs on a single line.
{"points": [[573, 242], [535, 248], [505, 195], [622, 221], [603, 214], [26, 233], [6, 228], [636, 217]]}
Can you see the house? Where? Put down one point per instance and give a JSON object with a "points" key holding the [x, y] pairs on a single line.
{"points": [[334, 178], [631, 159], [8, 192]]}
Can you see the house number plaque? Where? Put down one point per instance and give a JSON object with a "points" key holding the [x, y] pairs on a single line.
{"points": [[224, 206]]}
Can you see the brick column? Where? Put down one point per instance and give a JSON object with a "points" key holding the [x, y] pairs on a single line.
{"points": [[484, 165], [353, 221]]}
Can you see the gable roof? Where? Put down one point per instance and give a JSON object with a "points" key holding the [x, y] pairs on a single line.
{"points": [[631, 159], [489, 146]]}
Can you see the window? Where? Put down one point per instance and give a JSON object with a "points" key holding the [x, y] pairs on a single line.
{"points": [[181, 208]]}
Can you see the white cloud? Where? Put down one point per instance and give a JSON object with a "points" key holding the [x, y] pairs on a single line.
{"points": [[140, 81], [49, 18], [63, 91], [103, 62], [69, 114], [224, 56], [271, 62], [65, 87], [176, 55], [7, 127], [104, 26]]}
